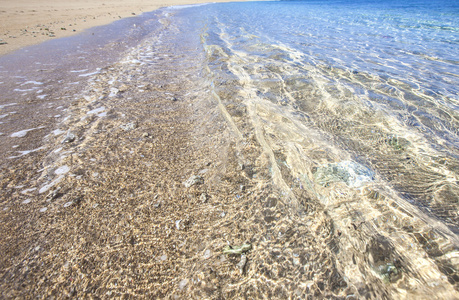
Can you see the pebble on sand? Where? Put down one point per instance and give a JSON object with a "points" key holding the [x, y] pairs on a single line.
{"points": [[193, 180], [129, 126]]}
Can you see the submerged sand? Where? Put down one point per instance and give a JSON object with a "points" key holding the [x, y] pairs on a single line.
{"points": [[133, 182]]}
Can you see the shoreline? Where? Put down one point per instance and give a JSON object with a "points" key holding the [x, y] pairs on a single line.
{"points": [[30, 22], [106, 207]]}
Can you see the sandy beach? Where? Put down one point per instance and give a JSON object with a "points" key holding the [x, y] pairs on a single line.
{"points": [[194, 153], [29, 22]]}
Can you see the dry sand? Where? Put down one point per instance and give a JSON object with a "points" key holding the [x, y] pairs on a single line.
{"points": [[28, 22]]}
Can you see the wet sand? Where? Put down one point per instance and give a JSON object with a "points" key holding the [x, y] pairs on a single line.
{"points": [[29, 22], [104, 205], [95, 200]]}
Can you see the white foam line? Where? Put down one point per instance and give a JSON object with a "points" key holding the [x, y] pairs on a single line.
{"points": [[22, 153], [23, 133], [79, 71], [176, 7], [32, 82], [9, 104], [46, 187], [89, 74], [96, 110], [27, 90]]}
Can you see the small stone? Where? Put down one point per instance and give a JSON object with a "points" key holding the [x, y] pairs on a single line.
{"points": [[174, 99], [113, 92], [242, 263], [207, 254], [193, 180], [53, 195], [123, 88], [183, 283], [68, 204], [43, 209], [203, 198], [129, 126], [69, 138], [146, 135], [2, 42], [296, 261]]}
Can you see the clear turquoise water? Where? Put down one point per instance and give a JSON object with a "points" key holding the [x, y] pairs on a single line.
{"points": [[355, 104], [377, 80]]}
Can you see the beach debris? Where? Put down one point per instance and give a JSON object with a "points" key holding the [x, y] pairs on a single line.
{"points": [[129, 126], [193, 180], [173, 99], [2, 42], [147, 135], [241, 264], [349, 172], [236, 250], [70, 137]]}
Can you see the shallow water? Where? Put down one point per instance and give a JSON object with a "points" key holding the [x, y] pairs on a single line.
{"points": [[341, 120], [355, 104]]}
